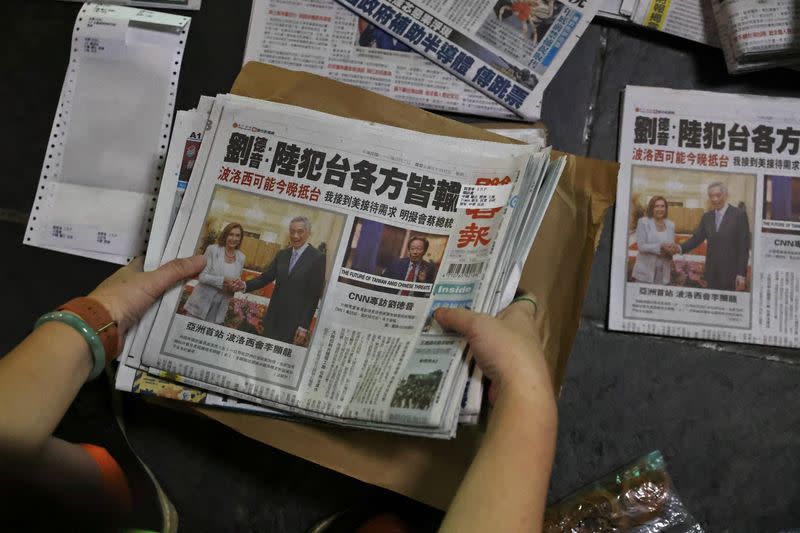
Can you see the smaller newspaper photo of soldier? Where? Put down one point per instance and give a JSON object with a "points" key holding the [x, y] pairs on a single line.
{"points": [[417, 391], [391, 259]]}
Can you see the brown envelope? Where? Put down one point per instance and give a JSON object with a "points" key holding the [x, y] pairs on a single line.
{"points": [[557, 272]]}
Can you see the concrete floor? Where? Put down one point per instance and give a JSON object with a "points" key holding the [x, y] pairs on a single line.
{"points": [[725, 416]]}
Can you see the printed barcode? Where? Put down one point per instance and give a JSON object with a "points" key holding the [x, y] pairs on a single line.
{"points": [[463, 270]]}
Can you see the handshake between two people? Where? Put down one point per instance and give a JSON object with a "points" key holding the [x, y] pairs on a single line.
{"points": [[232, 285], [668, 249]]}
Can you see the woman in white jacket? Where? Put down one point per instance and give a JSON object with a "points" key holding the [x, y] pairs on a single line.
{"points": [[224, 264], [654, 235]]}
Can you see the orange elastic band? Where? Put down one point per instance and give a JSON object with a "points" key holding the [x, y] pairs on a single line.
{"points": [[114, 481]]}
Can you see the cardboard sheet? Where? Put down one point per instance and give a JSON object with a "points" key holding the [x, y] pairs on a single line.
{"points": [[557, 272]]}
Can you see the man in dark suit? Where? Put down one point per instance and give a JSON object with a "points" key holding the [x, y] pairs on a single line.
{"points": [[726, 230], [299, 275], [414, 267]]}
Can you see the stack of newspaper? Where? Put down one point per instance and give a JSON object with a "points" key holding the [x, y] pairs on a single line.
{"points": [[329, 244], [758, 35]]}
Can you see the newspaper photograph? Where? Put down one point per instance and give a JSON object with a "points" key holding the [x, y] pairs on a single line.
{"points": [[328, 242], [325, 38], [509, 50], [706, 237]]}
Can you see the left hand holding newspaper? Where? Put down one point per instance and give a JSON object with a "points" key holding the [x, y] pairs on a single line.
{"points": [[343, 237]]}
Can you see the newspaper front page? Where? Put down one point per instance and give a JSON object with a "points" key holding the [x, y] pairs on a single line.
{"points": [[322, 37], [758, 35], [183, 152], [707, 228], [383, 225], [508, 50]]}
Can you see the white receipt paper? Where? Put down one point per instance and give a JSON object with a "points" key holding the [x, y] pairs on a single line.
{"points": [[99, 180]]}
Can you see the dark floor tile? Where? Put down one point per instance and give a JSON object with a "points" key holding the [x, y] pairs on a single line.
{"points": [[727, 425]]}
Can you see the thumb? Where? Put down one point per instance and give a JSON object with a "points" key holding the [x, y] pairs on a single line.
{"points": [[458, 319], [168, 274]]}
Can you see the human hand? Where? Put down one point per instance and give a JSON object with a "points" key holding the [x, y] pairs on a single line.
{"points": [[741, 283], [229, 285], [128, 292], [300, 337], [506, 349], [670, 248]]}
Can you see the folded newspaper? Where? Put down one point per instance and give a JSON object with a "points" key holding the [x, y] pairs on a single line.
{"points": [[690, 19], [329, 244], [325, 38], [508, 50], [758, 35], [707, 228]]}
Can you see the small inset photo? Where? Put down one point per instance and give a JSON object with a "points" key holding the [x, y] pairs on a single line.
{"points": [[691, 228], [392, 259], [370, 36], [532, 18], [781, 205], [268, 264], [417, 391]]}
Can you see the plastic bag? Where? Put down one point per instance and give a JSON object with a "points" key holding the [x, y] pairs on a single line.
{"points": [[638, 498]]}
